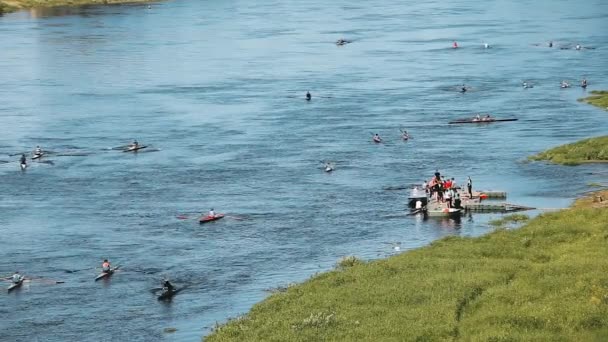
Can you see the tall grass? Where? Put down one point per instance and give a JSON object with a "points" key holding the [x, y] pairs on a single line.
{"points": [[547, 281], [584, 151]]}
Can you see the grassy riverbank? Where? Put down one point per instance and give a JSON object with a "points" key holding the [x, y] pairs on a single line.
{"points": [[547, 281], [15, 5], [598, 98], [592, 150]]}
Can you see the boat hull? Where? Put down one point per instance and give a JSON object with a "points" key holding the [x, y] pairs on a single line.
{"points": [[206, 219], [106, 274], [135, 149], [15, 286], [446, 212], [471, 121]]}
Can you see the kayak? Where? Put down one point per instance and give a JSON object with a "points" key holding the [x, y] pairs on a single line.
{"points": [[15, 285], [23, 166], [329, 169], [133, 149], [206, 219], [377, 140], [36, 156], [475, 121], [168, 294], [106, 274]]}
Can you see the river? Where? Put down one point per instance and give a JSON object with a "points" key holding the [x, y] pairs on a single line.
{"points": [[216, 89]]}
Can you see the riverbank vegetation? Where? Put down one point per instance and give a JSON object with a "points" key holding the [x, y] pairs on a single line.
{"points": [[592, 150], [598, 98], [547, 281], [15, 5]]}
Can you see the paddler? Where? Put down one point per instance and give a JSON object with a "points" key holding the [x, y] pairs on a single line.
{"points": [[405, 136], [308, 96], [584, 83], [463, 89], [211, 213], [134, 145], [377, 138], [455, 45], [23, 160], [17, 278], [328, 167], [38, 151], [167, 286], [105, 266]]}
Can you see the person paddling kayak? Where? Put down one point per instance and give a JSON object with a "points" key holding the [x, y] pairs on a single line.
{"points": [[328, 167], [38, 151], [463, 89], [105, 266], [17, 278], [211, 213], [405, 135], [455, 45], [134, 145], [167, 286], [23, 161], [584, 83], [308, 96], [377, 138]]}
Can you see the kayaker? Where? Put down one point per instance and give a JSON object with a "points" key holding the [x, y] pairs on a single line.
{"points": [[328, 167], [486, 45], [308, 96], [584, 83], [477, 118], [105, 266], [377, 138], [134, 145], [550, 43], [463, 89], [167, 286], [211, 213], [457, 201], [577, 47], [38, 151], [455, 45], [470, 187], [17, 278], [487, 117], [565, 84], [405, 135], [23, 159]]}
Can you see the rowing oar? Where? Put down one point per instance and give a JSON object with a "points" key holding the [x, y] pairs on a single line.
{"points": [[47, 281]]}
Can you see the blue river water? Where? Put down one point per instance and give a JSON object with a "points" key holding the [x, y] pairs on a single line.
{"points": [[216, 90]]}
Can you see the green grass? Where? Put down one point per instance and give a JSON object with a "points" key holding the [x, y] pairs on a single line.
{"points": [[14, 5], [590, 150], [598, 98], [509, 219], [547, 281]]}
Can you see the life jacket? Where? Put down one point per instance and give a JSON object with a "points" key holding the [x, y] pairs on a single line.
{"points": [[105, 265]]}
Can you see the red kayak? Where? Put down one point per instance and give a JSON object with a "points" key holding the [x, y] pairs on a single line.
{"points": [[206, 219]]}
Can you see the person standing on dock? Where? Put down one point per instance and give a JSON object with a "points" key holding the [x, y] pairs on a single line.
{"points": [[425, 186], [470, 187]]}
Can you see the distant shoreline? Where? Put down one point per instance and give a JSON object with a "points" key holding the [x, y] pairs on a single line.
{"points": [[7, 6]]}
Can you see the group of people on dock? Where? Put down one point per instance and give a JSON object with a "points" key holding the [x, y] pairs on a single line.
{"points": [[445, 190]]}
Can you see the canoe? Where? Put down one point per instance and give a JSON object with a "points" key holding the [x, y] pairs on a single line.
{"points": [[473, 121], [106, 274], [206, 219], [133, 149], [15, 285], [444, 212]]}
